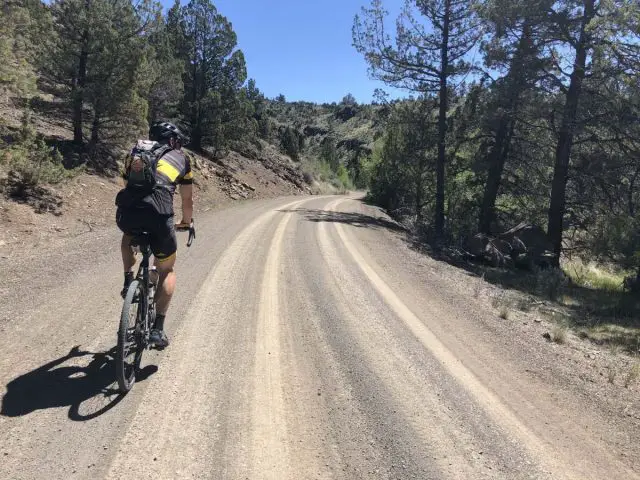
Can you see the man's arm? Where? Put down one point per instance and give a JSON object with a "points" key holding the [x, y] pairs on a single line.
{"points": [[186, 194], [124, 172]]}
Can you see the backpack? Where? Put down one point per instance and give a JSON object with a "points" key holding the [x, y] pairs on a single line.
{"points": [[141, 174]]}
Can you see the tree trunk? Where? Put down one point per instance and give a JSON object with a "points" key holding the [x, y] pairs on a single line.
{"points": [[78, 91], [557, 205], [515, 86], [419, 195], [631, 191], [196, 133], [95, 131], [497, 160], [419, 179], [442, 124]]}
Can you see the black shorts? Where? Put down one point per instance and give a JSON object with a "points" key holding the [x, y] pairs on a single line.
{"points": [[162, 234]]}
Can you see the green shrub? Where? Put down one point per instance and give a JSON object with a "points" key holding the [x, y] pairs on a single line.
{"points": [[594, 277], [343, 177], [31, 162], [36, 164]]}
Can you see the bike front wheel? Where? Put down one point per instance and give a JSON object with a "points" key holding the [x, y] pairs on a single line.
{"points": [[130, 337]]}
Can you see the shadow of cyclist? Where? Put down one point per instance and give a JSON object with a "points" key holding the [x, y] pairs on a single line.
{"points": [[56, 385]]}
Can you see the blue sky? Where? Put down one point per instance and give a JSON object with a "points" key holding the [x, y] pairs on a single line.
{"points": [[302, 48]]}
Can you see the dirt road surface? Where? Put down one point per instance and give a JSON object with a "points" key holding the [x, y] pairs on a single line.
{"points": [[306, 342]]}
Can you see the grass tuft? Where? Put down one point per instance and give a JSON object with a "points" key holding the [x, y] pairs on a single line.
{"points": [[477, 289], [632, 375], [595, 277], [559, 334], [524, 304]]}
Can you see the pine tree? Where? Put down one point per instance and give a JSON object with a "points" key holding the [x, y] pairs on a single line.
{"points": [[329, 153], [514, 46], [349, 99], [290, 143], [432, 41], [119, 75], [166, 65], [602, 38], [96, 52], [215, 71], [24, 27]]}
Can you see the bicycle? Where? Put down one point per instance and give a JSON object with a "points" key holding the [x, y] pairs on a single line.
{"points": [[138, 312]]}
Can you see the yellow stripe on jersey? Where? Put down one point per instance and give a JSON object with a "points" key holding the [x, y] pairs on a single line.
{"points": [[168, 170], [164, 259]]}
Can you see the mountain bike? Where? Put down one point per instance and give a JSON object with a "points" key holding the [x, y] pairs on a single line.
{"points": [[138, 312]]}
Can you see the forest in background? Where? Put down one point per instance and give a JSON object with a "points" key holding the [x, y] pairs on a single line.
{"points": [[521, 112], [524, 111]]}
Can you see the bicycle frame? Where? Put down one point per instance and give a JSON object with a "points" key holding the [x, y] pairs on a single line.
{"points": [[143, 274]]}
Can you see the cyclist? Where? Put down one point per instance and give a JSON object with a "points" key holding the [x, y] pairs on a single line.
{"points": [[153, 213]]}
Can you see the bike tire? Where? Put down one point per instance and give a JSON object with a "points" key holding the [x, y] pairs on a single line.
{"points": [[130, 337]]}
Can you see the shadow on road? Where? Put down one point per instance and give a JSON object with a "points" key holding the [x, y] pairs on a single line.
{"points": [[87, 387], [349, 218]]}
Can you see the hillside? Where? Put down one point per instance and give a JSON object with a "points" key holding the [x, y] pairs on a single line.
{"points": [[45, 201], [333, 141], [70, 108], [61, 203]]}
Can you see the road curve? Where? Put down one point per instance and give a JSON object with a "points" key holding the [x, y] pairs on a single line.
{"points": [[303, 345]]}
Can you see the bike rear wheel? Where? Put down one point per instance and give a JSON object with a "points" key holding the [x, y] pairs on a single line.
{"points": [[130, 337]]}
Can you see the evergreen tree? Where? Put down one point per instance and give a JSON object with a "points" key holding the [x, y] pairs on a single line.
{"points": [[215, 71], [95, 54], [602, 39], [24, 27], [433, 38], [517, 33], [166, 58], [120, 75], [290, 143], [349, 99], [329, 153]]}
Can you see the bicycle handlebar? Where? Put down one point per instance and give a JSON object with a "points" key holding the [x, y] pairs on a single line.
{"points": [[192, 232]]}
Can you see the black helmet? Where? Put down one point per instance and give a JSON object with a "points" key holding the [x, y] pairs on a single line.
{"points": [[160, 131]]}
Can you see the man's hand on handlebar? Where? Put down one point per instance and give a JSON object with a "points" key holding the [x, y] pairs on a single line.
{"points": [[184, 226], [187, 227]]}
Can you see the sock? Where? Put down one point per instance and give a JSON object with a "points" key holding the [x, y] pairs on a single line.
{"points": [[159, 322], [128, 277]]}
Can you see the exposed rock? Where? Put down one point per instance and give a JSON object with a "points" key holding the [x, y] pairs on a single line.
{"points": [[527, 238], [492, 251], [493, 255], [477, 245]]}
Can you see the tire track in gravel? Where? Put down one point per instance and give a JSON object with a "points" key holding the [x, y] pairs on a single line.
{"points": [[501, 414], [183, 384], [270, 455], [559, 459]]}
